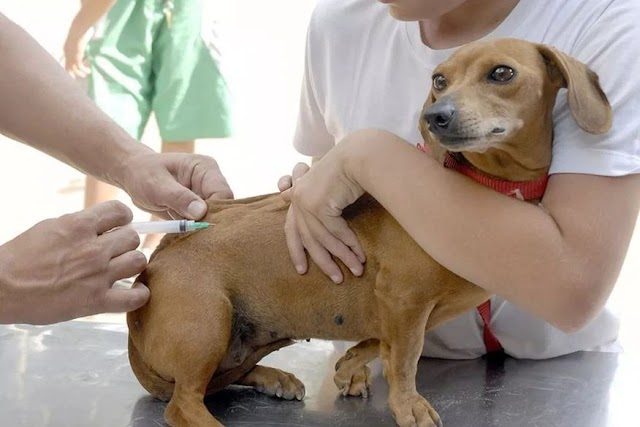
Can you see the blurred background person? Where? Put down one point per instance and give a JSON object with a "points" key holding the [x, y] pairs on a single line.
{"points": [[151, 56]]}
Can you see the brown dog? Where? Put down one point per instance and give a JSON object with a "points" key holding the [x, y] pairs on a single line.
{"points": [[223, 298]]}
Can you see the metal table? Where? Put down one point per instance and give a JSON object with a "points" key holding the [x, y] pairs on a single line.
{"points": [[77, 374]]}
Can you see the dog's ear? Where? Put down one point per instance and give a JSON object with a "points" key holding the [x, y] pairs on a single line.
{"points": [[588, 103]]}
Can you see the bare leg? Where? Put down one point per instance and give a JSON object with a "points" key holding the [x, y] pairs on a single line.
{"points": [[96, 191], [152, 240], [178, 147]]}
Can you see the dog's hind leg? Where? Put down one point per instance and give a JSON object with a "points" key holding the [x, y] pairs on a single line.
{"points": [[274, 382], [403, 327], [195, 361], [352, 373]]}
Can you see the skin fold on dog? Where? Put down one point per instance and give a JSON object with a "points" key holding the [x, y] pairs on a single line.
{"points": [[225, 297]]}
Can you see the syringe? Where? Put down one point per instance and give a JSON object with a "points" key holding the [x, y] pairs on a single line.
{"points": [[175, 226]]}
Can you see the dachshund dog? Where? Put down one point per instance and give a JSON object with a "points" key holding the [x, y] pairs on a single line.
{"points": [[224, 297]]}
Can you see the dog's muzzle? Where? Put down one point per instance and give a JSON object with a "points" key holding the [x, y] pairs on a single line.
{"points": [[441, 116]]}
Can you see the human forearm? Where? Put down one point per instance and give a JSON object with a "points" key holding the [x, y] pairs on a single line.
{"points": [[89, 14], [38, 98], [554, 262]]}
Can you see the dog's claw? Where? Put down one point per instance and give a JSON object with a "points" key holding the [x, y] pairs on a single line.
{"points": [[352, 381], [274, 382], [414, 411]]}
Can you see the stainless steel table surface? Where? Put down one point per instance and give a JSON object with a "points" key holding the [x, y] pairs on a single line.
{"points": [[77, 374]]}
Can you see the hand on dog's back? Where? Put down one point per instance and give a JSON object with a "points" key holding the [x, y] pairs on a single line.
{"points": [[321, 238]]}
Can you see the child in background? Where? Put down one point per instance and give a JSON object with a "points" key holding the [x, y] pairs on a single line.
{"points": [[149, 56]]}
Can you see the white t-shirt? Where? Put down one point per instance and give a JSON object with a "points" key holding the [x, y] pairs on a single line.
{"points": [[365, 69]]}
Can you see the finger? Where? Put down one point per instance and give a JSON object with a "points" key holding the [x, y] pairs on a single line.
{"points": [[163, 214], [298, 171], [120, 241], [124, 300], [178, 198], [212, 184], [84, 67], [318, 252], [109, 215], [81, 73], [72, 72], [287, 194], [285, 183], [341, 230], [325, 234], [127, 265], [294, 243], [77, 71]]}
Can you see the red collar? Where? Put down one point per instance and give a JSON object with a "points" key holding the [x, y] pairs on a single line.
{"points": [[523, 190]]}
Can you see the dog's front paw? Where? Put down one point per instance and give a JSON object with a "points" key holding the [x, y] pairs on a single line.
{"points": [[414, 410], [353, 380], [274, 382]]}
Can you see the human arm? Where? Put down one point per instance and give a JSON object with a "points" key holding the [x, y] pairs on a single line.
{"points": [[45, 109], [577, 157], [91, 11], [559, 263], [313, 138]]}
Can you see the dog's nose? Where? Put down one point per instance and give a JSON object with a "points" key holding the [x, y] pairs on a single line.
{"points": [[440, 115]]}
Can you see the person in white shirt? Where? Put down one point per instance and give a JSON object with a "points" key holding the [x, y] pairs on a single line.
{"points": [[367, 74]]}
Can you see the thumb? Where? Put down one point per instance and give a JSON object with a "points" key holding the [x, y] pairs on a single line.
{"points": [[285, 182], [286, 194], [124, 300], [182, 200]]}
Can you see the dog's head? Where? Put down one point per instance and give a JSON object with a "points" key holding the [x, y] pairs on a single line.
{"points": [[492, 102]]}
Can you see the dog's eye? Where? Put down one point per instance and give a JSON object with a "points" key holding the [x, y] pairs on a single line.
{"points": [[439, 82], [502, 74]]}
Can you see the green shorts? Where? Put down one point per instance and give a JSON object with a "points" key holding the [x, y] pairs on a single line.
{"points": [[144, 60]]}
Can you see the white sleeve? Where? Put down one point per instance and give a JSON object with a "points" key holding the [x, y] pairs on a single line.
{"points": [[312, 137], [611, 48]]}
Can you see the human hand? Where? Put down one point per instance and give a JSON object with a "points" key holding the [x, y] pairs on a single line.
{"points": [[294, 241], [172, 184], [64, 268], [75, 62], [287, 181], [314, 220]]}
